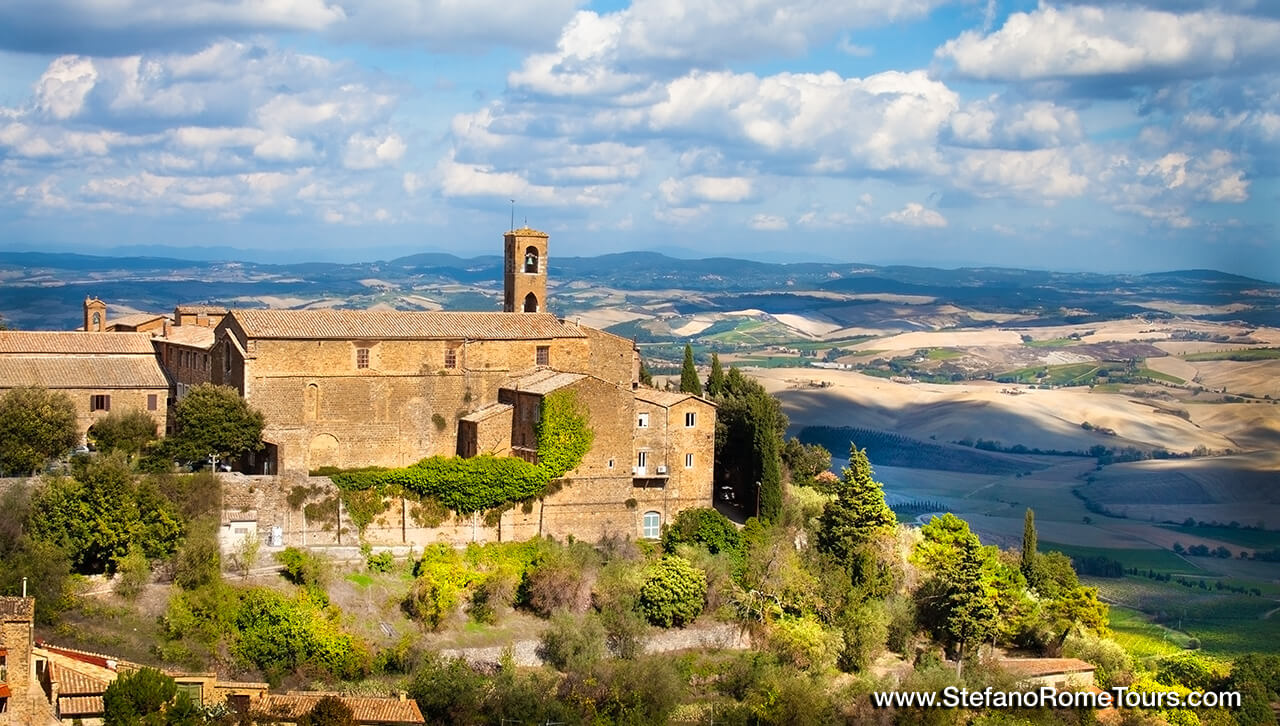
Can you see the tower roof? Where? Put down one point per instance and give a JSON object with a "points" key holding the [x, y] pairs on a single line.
{"points": [[526, 231]]}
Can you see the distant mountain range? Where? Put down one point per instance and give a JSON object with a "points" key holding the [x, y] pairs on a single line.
{"points": [[40, 289]]}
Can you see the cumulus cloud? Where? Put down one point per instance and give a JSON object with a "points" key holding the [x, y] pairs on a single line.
{"points": [[991, 123], [229, 130], [1080, 42], [678, 192], [916, 215]]}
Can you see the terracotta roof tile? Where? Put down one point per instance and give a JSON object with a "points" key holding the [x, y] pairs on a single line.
{"points": [[49, 341], [487, 411], [72, 682], [200, 309], [134, 319], [400, 324], [79, 371], [542, 381], [80, 706], [666, 399], [366, 710], [195, 336]]}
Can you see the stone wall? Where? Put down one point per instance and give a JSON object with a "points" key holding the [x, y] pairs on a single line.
{"points": [[17, 638], [122, 400]]}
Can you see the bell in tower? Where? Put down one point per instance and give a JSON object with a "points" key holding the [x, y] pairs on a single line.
{"points": [[525, 271]]}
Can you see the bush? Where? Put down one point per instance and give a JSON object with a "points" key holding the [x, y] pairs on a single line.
{"points": [[125, 431], [573, 643], [702, 526], [133, 572], [380, 562], [441, 577], [1189, 669], [278, 634], [133, 697], [866, 629], [303, 567], [560, 578], [1114, 666], [802, 642], [329, 711], [493, 596], [199, 562], [674, 593], [448, 691]]}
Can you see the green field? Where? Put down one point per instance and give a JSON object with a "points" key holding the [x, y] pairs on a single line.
{"points": [[1258, 539], [1158, 376], [944, 354], [825, 345], [1060, 375], [1051, 343], [775, 361], [1226, 623], [1149, 559], [1143, 638], [1245, 354]]}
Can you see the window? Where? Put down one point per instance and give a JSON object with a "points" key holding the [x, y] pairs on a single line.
{"points": [[100, 403], [193, 690], [642, 420], [226, 356], [362, 357], [451, 358], [611, 463], [652, 525], [544, 355], [642, 459], [690, 419], [688, 461], [205, 361], [151, 401]]}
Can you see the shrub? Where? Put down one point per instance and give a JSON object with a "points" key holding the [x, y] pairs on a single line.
{"points": [[804, 643], [1189, 669], [495, 594], [199, 562], [380, 562], [702, 526], [674, 593], [126, 431], [573, 644], [1114, 666], [448, 691], [134, 696], [440, 579], [133, 572], [329, 711], [303, 567], [278, 634], [866, 628], [560, 578]]}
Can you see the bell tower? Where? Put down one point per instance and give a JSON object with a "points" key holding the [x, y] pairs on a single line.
{"points": [[95, 315], [525, 278]]}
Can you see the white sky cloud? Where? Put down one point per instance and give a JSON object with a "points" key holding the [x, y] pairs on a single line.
{"points": [[916, 215]]}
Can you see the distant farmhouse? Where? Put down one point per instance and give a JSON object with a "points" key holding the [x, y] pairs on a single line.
{"points": [[354, 388]]}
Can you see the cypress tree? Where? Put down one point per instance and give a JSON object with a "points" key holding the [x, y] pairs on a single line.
{"points": [[715, 382], [1028, 544], [689, 382], [645, 376]]}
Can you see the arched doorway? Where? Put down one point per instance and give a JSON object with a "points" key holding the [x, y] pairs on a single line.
{"points": [[531, 303], [323, 452]]}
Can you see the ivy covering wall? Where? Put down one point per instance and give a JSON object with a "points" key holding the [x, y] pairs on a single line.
{"points": [[483, 482]]}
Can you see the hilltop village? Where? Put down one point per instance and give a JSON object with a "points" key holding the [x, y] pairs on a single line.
{"points": [[345, 389]]}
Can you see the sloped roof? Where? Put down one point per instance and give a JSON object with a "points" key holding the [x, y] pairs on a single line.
{"points": [[400, 324], [17, 607], [72, 682], [542, 381], [80, 706], [487, 411], [666, 399], [134, 319], [366, 710], [200, 310], [195, 336], [80, 371], [58, 341]]}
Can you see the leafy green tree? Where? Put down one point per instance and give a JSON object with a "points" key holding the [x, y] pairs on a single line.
{"points": [[214, 420], [329, 711], [749, 429], [97, 516], [126, 431], [689, 381], [704, 526], [1078, 609], [1029, 544], [36, 425], [715, 381], [805, 461], [139, 698], [674, 594], [857, 515], [646, 377], [957, 604]]}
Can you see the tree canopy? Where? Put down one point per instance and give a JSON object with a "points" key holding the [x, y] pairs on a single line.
{"points": [[36, 425], [858, 513], [958, 601], [214, 420], [749, 429], [689, 382], [126, 431], [715, 381], [139, 698]]}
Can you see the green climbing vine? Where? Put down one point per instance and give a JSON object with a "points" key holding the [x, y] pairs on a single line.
{"points": [[485, 482]]}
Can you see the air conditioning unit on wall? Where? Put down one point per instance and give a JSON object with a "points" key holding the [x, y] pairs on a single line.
{"points": [[662, 470]]}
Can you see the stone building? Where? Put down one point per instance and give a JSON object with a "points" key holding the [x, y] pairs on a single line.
{"points": [[18, 702], [101, 372], [353, 388]]}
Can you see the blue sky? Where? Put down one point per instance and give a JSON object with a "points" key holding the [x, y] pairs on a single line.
{"points": [[1069, 134]]}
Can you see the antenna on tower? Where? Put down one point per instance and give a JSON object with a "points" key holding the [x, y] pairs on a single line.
{"points": [[513, 215]]}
